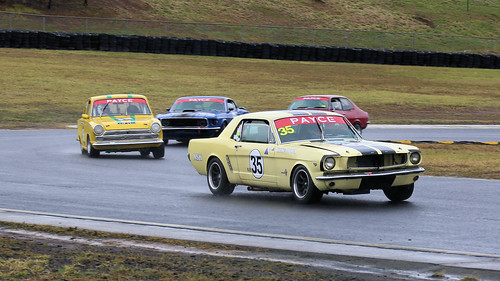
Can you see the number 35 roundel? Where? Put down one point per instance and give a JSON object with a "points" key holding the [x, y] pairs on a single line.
{"points": [[256, 164]]}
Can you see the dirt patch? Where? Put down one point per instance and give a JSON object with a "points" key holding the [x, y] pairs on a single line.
{"points": [[425, 21]]}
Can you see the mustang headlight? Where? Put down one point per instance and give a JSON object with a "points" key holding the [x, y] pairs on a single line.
{"points": [[329, 163], [415, 157], [155, 127], [98, 130]]}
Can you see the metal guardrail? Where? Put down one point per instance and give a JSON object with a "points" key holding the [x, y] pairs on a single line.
{"points": [[381, 40]]}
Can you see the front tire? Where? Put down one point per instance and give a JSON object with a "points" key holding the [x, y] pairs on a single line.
{"points": [[159, 152], [399, 193], [145, 152], [217, 179], [224, 124], [304, 190], [92, 152]]}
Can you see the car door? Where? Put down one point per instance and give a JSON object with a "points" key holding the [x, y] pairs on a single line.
{"points": [[343, 106], [254, 152], [83, 123]]}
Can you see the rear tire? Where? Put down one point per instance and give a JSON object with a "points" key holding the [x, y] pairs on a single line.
{"points": [[357, 126], [82, 147], [217, 179], [304, 190], [399, 193]]}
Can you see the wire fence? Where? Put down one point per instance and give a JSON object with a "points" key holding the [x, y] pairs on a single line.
{"points": [[381, 40]]}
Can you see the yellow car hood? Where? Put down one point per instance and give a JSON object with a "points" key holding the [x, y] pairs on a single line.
{"points": [[125, 122]]}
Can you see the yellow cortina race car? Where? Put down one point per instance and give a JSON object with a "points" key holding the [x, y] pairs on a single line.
{"points": [[119, 123], [309, 153]]}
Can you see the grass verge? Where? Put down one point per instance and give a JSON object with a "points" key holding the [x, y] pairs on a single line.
{"points": [[461, 160], [92, 255]]}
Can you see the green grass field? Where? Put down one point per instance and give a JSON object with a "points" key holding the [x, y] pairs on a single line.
{"points": [[46, 89]]}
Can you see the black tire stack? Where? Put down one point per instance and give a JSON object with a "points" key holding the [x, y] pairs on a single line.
{"points": [[206, 47]]}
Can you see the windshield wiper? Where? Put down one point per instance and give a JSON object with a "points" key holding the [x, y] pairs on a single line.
{"points": [[321, 130], [104, 108]]}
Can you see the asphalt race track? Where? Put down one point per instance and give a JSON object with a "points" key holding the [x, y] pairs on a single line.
{"points": [[44, 171]]}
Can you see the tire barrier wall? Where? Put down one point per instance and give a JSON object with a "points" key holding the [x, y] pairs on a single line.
{"points": [[205, 47]]}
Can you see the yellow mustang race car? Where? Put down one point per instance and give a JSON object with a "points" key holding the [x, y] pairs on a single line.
{"points": [[309, 153], [119, 123]]}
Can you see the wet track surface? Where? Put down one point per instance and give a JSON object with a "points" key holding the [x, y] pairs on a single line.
{"points": [[43, 171]]}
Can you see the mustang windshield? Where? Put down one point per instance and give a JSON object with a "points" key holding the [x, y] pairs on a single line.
{"points": [[313, 127], [120, 106], [198, 104]]}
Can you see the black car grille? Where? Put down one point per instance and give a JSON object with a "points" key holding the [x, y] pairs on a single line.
{"points": [[184, 122], [118, 135], [377, 161]]}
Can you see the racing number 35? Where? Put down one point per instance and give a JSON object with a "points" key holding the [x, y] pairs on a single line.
{"points": [[286, 130], [256, 164]]}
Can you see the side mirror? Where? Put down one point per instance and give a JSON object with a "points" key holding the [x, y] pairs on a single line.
{"points": [[85, 116], [168, 109]]}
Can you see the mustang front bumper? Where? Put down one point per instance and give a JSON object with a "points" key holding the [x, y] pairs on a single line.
{"points": [[358, 175]]}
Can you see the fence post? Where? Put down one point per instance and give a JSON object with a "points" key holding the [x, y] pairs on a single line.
{"points": [[453, 44], [241, 33], [278, 35], [43, 23], [413, 42], [126, 27], [86, 25], [347, 38], [10, 21], [381, 44], [314, 37], [165, 29]]}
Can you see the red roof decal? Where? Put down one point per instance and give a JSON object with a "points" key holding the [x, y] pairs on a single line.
{"points": [[199, 99], [119, 100], [300, 120], [312, 98]]}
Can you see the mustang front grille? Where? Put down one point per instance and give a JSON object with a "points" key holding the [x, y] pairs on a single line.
{"points": [[383, 161], [184, 122], [119, 135]]}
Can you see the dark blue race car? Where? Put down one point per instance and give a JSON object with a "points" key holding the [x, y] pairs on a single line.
{"points": [[198, 117]]}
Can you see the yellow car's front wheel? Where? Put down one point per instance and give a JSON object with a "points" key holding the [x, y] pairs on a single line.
{"points": [[304, 190], [399, 193], [92, 152]]}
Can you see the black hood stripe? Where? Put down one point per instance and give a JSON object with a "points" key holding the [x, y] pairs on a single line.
{"points": [[363, 149], [383, 148]]}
